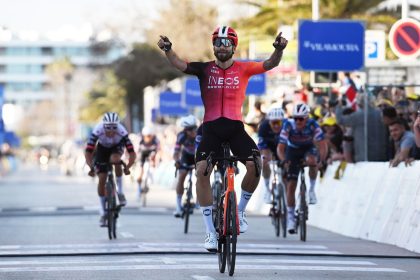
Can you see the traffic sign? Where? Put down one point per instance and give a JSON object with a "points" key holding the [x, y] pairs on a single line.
{"points": [[404, 38], [170, 104], [331, 45]]}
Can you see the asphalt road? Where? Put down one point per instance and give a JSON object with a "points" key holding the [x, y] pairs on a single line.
{"points": [[49, 230]]}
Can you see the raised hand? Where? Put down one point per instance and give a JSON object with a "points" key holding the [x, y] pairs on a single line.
{"points": [[280, 42]]}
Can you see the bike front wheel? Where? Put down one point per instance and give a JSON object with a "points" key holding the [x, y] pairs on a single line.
{"points": [[221, 240], [232, 234]]}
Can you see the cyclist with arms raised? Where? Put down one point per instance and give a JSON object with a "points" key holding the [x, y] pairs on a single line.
{"points": [[184, 156], [223, 83], [296, 143], [268, 137], [108, 138]]}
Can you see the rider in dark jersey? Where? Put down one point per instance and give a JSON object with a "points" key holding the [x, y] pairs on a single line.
{"points": [[184, 156], [268, 137], [223, 83], [148, 148]]}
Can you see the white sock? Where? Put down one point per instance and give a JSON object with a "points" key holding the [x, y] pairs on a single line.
{"points": [[267, 183], [312, 185], [139, 184], [208, 218], [245, 197], [102, 202], [179, 202], [119, 184]]}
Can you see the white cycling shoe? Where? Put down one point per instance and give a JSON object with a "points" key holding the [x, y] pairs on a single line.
{"points": [[312, 197], [210, 243], [243, 223], [291, 224]]}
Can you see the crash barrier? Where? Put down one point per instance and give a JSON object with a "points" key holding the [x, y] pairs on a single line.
{"points": [[370, 201]]}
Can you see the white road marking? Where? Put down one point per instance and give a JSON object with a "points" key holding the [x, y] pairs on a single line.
{"points": [[199, 277], [126, 235], [197, 266], [175, 260]]}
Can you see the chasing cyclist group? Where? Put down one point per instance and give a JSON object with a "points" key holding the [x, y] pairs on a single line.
{"points": [[223, 82]]}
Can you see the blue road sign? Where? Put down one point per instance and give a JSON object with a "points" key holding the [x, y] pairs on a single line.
{"points": [[331, 45], [256, 85], [192, 92], [170, 104]]}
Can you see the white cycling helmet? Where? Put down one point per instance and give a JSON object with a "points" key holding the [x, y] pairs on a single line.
{"points": [[110, 118], [275, 113], [301, 110], [147, 130], [188, 121]]}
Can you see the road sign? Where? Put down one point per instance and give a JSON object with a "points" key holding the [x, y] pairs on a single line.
{"points": [[192, 92], [256, 85], [331, 45], [375, 45], [404, 38], [170, 104]]}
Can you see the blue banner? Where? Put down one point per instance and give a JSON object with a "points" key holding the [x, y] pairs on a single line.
{"points": [[192, 92], [1, 115], [170, 104], [331, 45], [256, 85]]}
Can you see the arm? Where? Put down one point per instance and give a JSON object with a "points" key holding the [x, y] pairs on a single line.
{"points": [[166, 45], [279, 44], [416, 128], [399, 157], [323, 150], [281, 151]]}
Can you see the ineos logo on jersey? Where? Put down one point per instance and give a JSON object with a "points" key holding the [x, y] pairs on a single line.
{"points": [[220, 82]]}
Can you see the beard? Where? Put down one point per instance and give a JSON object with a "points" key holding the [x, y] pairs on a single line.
{"points": [[223, 56]]}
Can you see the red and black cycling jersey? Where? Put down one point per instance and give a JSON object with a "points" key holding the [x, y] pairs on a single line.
{"points": [[223, 90]]}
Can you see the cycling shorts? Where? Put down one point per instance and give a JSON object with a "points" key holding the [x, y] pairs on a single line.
{"points": [[144, 155], [103, 154], [224, 130], [186, 160], [295, 156], [269, 146]]}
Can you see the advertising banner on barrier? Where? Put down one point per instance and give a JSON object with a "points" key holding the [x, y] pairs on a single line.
{"points": [[331, 45], [1, 115], [170, 104]]}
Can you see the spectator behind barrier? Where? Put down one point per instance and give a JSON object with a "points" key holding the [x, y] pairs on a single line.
{"points": [[403, 141], [376, 140], [416, 128]]}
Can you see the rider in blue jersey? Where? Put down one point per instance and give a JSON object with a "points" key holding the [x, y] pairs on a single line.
{"points": [[296, 143]]}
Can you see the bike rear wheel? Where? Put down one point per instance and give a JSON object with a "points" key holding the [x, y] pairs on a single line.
{"points": [[232, 234]]}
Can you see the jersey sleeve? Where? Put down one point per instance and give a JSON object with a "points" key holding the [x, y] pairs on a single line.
{"points": [[318, 133], [128, 144], [195, 68], [94, 136], [284, 133], [254, 68], [179, 142]]}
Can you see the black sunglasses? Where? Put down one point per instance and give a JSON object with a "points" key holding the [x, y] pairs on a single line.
{"points": [[218, 42], [300, 119], [110, 127]]}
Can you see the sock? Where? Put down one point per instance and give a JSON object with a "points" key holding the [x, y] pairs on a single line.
{"points": [[245, 197], [179, 202], [312, 185], [102, 202], [139, 184], [119, 184], [267, 183], [208, 218], [291, 211]]}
